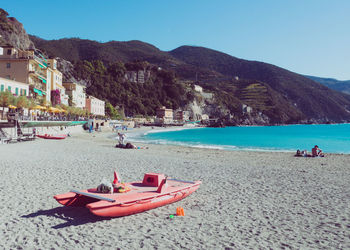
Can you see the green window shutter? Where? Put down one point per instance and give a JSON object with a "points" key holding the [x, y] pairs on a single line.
{"points": [[16, 91], [25, 92], [9, 88], [2, 87]]}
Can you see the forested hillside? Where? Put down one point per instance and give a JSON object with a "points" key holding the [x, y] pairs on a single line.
{"points": [[109, 83], [281, 95]]}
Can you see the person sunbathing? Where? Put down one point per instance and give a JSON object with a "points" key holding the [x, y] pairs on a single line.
{"points": [[129, 146]]}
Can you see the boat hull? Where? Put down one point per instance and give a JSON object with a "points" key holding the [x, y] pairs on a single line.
{"points": [[102, 208], [126, 204], [57, 137]]}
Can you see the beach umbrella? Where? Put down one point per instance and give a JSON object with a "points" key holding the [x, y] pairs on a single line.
{"points": [[53, 110], [39, 107], [12, 107]]}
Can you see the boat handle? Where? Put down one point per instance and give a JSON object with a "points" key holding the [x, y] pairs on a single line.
{"points": [[127, 204], [144, 201], [135, 202], [185, 192], [175, 194]]}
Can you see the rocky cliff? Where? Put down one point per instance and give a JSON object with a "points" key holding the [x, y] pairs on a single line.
{"points": [[13, 33]]}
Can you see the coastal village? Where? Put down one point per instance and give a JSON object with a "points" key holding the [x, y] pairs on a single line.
{"points": [[30, 74]]}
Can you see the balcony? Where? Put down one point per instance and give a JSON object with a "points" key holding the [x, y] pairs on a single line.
{"points": [[42, 62], [37, 89], [38, 75], [35, 83]]}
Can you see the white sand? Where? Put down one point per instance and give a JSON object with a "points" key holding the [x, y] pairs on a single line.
{"points": [[247, 199]]}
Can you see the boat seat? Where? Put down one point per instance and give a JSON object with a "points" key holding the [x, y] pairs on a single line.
{"points": [[153, 179]]}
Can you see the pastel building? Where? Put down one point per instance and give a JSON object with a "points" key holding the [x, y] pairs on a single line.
{"points": [[55, 79], [64, 96], [76, 92], [29, 67], [16, 88], [95, 106], [182, 115], [164, 115]]}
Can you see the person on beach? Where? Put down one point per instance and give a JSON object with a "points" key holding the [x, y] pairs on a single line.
{"points": [[317, 152], [121, 138], [298, 154], [129, 146]]}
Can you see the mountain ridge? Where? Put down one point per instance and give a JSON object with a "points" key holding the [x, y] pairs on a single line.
{"points": [[209, 67], [332, 83]]}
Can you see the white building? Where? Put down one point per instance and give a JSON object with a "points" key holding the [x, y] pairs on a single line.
{"points": [[95, 106], [16, 88], [77, 93], [198, 88]]}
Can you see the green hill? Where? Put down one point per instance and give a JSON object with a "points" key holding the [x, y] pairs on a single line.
{"points": [[284, 96], [312, 99]]}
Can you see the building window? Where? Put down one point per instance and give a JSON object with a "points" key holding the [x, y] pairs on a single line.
{"points": [[9, 52], [8, 65], [8, 77], [2, 87]]}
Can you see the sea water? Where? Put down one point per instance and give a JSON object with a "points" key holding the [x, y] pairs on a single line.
{"points": [[333, 138]]}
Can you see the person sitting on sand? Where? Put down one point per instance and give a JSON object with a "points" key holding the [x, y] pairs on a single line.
{"points": [[305, 154], [121, 138], [298, 154], [317, 152]]}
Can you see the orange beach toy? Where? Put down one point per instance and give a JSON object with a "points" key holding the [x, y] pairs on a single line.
{"points": [[180, 211]]}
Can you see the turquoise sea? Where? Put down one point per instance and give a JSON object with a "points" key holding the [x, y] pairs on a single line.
{"points": [[333, 138]]}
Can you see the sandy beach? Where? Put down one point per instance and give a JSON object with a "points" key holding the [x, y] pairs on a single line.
{"points": [[248, 200]]}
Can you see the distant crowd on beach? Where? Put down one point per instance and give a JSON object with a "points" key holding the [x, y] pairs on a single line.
{"points": [[315, 152]]}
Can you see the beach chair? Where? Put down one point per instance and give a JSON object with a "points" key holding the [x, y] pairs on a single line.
{"points": [[4, 138]]}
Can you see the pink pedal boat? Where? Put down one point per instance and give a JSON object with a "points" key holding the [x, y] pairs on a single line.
{"points": [[154, 191]]}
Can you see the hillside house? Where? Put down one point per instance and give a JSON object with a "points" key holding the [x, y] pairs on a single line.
{"points": [[26, 66], [95, 106], [164, 115], [76, 92]]}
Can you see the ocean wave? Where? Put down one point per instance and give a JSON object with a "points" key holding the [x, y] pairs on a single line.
{"points": [[206, 146], [169, 130]]}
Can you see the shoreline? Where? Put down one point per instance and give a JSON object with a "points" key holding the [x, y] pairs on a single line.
{"points": [[136, 132]]}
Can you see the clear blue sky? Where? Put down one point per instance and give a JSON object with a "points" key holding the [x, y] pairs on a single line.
{"points": [[305, 36]]}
